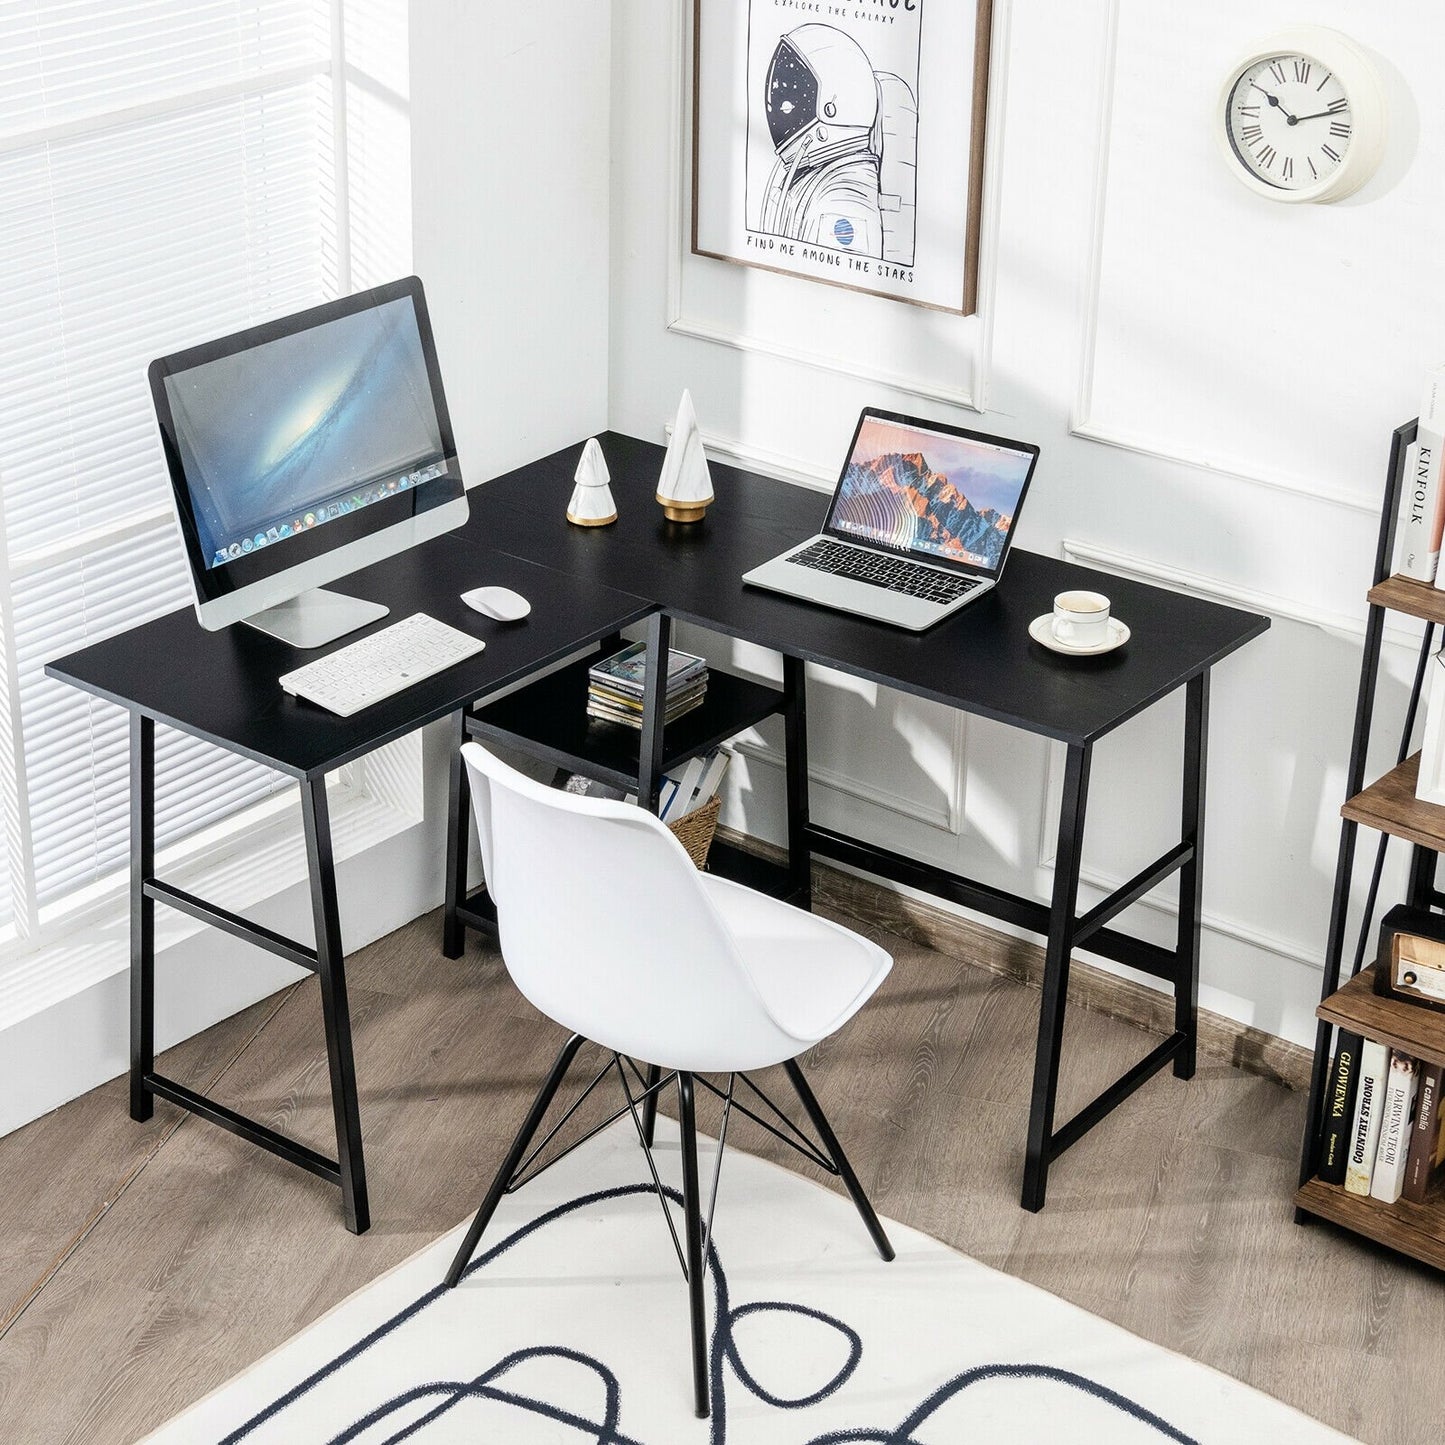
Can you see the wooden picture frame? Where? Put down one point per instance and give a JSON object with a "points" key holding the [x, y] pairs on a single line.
{"points": [[843, 149]]}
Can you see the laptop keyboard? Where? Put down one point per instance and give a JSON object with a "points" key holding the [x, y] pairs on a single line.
{"points": [[896, 574]]}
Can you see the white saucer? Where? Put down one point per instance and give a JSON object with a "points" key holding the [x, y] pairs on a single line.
{"points": [[1041, 629]]}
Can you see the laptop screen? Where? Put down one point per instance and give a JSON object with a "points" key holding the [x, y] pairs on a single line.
{"points": [[934, 491]]}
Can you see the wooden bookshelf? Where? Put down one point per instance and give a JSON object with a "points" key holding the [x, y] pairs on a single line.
{"points": [[1409, 1027], [1414, 1229], [1389, 805], [1410, 596]]}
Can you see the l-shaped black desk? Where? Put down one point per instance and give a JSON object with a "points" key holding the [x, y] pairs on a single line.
{"points": [[586, 585], [980, 661]]}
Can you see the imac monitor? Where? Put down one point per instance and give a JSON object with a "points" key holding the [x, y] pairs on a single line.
{"points": [[302, 450]]}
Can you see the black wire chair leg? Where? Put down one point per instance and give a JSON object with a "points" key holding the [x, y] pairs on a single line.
{"points": [[835, 1149], [649, 1107], [540, 1105], [692, 1210]]}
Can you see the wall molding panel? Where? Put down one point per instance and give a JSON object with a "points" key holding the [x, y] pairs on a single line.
{"points": [[1179, 579], [946, 819]]}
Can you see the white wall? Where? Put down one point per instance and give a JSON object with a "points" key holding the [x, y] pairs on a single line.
{"points": [[510, 206], [1213, 378]]}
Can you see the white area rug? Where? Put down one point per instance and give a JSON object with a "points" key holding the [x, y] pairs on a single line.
{"points": [[572, 1327]]}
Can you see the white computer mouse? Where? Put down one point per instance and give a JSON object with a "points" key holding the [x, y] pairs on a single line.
{"points": [[498, 602]]}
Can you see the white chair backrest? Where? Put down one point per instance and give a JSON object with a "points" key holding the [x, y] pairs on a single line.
{"points": [[605, 927]]}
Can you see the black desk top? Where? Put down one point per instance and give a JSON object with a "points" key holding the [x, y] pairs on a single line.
{"points": [[223, 685], [981, 660]]}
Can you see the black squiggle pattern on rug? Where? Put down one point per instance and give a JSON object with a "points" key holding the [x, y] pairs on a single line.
{"points": [[724, 1353]]}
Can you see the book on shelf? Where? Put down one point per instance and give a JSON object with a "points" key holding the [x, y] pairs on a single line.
{"points": [[1340, 1108], [1425, 1158], [615, 685], [1397, 1113], [1365, 1127], [1425, 485], [692, 786], [1414, 529], [626, 671]]}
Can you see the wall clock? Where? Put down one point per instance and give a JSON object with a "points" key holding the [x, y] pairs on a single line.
{"points": [[1301, 116]]}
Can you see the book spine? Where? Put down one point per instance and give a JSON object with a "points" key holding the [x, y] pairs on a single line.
{"points": [[1430, 437], [1414, 538], [1365, 1128], [1424, 1134], [1340, 1108], [1396, 1116]]}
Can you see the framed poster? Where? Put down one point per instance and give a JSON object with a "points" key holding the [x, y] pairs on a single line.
{"points": [[842, 141]]}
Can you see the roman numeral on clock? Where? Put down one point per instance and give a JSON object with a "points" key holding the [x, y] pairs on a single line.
{"points": [[1333, 154], [1340, 128], [1250, 134], [1302, 71], [1267, 155], [1276, 69], [1287, 171]]}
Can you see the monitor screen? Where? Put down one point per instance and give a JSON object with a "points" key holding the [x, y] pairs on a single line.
{"points": [[294, 439], [301, 431], [931, 490]]}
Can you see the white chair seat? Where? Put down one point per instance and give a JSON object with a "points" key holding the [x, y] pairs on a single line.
{"points": [[812, 975]]}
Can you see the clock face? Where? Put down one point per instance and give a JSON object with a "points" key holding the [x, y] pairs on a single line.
{"points": [[1289, 122]]}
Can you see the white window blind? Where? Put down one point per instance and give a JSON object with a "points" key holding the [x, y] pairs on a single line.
{"points": [[170, 170]]}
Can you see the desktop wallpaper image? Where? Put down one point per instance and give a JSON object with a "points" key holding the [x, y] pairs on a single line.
{"points": [[931, 492], [269, 433]]}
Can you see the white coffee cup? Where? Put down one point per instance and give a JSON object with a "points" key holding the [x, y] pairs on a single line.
{"points": [[1081, 619]]}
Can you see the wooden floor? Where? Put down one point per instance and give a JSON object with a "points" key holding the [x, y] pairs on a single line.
{"points": [[142, 1265]]}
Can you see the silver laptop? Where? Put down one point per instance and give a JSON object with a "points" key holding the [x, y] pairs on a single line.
{"points": [[921, 522]]}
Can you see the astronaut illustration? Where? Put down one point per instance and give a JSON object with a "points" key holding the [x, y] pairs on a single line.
{"points": [[845, 138]]}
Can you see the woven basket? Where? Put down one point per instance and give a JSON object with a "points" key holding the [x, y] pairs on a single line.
{"points": [[694, 831]]}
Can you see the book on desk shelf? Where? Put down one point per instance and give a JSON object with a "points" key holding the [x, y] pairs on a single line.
{"points": [[691, 786], [615, 685]]}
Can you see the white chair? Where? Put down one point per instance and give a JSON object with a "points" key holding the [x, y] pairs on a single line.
{"points": [[608, 928]]}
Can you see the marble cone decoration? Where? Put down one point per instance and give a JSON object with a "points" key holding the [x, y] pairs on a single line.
{"points": [[592, 504], [685, 487]]}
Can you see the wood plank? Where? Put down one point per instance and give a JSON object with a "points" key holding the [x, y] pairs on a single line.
{"points": [[1173, 1219], [1415, 1229], [1389, 805], [1411, 1028], [1411, 596]]}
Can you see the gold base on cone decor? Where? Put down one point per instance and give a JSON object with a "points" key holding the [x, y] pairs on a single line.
{"points": [[676, 511], [591, 521]]}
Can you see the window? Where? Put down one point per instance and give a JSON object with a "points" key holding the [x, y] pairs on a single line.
{"points": [[170, 170]]}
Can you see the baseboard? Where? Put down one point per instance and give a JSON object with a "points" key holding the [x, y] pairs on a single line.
{"points": [[1090, 987]]}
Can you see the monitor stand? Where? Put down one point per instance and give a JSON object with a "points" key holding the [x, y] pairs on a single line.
{"points": [[316, 617]]}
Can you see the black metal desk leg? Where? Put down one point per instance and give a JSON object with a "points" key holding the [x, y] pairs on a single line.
{"points": [[459, 807], [1063, 916], [331, 969], [795, 727], [1186, 983], [654, 710], [142, 912]]}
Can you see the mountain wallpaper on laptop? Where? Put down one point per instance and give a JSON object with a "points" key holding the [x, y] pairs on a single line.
{"points": [[899, 499]]}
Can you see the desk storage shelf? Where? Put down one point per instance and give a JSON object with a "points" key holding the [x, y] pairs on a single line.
{"points": [[1390, 808], [548, 719]]}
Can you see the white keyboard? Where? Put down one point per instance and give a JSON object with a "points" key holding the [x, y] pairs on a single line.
{"points": [[354, 677]]}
